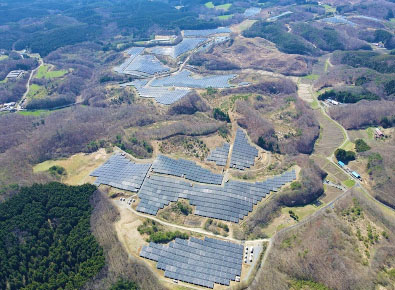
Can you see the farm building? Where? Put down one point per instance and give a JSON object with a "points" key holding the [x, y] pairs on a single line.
{"points": [[355, 174], [378, 133]]}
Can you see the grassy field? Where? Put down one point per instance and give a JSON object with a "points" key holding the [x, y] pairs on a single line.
{"points": [[34, 113], [2, 57], [36, 92], [224, 7], [349, 146], [312, 77], [349, 183], [78, 167], [225, 17], [314, 105], [331, 138], [209, 5], [44, 72], [329, 9]]}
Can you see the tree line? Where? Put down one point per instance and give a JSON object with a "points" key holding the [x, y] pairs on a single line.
{"points": [[45, 238]]}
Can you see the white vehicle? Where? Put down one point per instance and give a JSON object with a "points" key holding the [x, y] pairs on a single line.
{"points": [[245, 261], [133, 200], [252, 250], [175, 281]]}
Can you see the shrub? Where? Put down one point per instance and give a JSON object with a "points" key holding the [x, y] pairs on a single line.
{"points": [[296, 185], [221, 115], [184, 208], [124, 285], [165, 237], [361, 146], [344, 156], [57, 170]]}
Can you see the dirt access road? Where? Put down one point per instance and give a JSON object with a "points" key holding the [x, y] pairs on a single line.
{"points": [[32, 73]]}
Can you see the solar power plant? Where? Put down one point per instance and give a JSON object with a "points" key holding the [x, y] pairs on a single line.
{"points": [[195, 261], [184, 46], [185, 79], [142, 65], [243, 154], [135, 51], [185, 168], [206, 32], [164, 96], [121, 173], [231, 202], [220, 155], [339, 20], [249, 12]]}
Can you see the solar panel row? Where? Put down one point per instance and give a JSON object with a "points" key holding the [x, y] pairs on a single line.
{"points": [[184, 46], [164, 96], [185, 168], [252, 11], [120, 172], [206, 32], [184, 79], [142, 65], [231, 202], [220, 155], [196, 261], [243, 154]]}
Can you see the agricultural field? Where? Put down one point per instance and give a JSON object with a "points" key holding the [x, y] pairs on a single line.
{"points": [[224, 7], [46, 72], [37, 92]]}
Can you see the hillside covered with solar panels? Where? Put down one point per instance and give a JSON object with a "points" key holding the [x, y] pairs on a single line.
{"points": [[167, 85], [182, 144]]}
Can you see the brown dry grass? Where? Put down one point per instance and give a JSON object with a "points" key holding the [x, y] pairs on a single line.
{"points": [[78, 166], [119, 264], [258, 54], [331, 136], [327, 250]]}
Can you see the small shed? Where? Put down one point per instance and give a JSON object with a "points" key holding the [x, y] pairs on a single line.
{"points": [[355, 174], [341, 164]]}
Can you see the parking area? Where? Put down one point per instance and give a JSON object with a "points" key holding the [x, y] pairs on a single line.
{"points": [[252, 251]]}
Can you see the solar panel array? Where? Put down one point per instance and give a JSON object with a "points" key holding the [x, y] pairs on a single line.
{"points": [[231, 202], [220, 155], [184, 46], [206, 32], [339, 20], [135, 51], [142, 65], [196, 261], [185, 168], [164, 96], [252, 11], [243, 154], [121, 173], [184, 79]]}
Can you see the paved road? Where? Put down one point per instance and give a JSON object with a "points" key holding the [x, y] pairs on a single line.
{"points": [[20, 104]]}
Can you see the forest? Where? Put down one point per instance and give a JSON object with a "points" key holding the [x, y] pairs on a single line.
{"points": [[45, 238], [285, 42]]}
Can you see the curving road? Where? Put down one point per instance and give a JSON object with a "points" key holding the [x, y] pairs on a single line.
{"points": [[20, 103]]}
